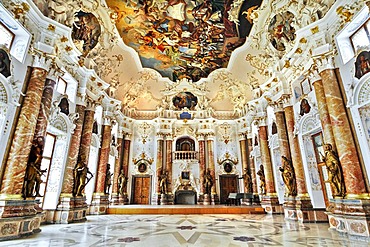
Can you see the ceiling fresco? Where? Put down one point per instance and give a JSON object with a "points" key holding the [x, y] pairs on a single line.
{"points": [[184, 39]]}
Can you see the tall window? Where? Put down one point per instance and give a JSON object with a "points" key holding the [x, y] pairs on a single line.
{"points": [[46, 161], [6, 36], [61, 86], [361, 38]]}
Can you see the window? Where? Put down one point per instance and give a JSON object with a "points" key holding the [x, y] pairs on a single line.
{"points": [[6, 36], [61, 86], [46, 161], [361, 38], [318, 144]]}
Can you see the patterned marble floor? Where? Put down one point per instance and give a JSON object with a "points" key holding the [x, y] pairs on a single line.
{"points": [[185, 230]]}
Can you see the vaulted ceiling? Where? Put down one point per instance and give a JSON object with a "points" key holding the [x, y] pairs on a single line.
{"points": [[141, 48]]}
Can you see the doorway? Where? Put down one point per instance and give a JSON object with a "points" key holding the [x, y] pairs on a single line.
{"points": [[141, 190], [228, 184]]}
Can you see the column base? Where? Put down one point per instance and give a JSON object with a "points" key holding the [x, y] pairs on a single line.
{"points": [[271, 204], [166, 199], [206, 199], [115, 199], [200, 200], [350, 217], [300, 209], [99, 204], [69, 210], [19, 218], [215, 199]]}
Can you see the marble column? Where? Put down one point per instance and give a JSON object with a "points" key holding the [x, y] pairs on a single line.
{"points": [[117, 171], [243, 152], [202, 167], [16, 164], [270, 200], [100, 200], [252, 167], [168, 200], [301, 204], [125, 162], [345, 143], [211, 167], [18, 212], [87, 132], [322, 107], [159, 165], [352, 211], [282, 132], [72, 209], [44, 112]]}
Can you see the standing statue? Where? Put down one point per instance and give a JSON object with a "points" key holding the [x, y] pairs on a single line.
{"points": [[208, 182], [248, 184], [80, 174], [122, 183], [108, 180], [163, 184], [335, 174], [33, 174], [288, 174], [261, 174]]}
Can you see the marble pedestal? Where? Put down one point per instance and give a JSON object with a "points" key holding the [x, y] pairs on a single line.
{"points": [[206, 199], [99, 204], [69, 210], [115, 199], [215, 199], [200, 200], [18, 218], [350, 217], [301, 210], [166, 199], [271, 204]]}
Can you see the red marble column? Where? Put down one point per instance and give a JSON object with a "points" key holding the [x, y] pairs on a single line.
{"points": [[322, 106], [202, 167], [282, 133], [252, 167], [169, 162], [87, 135], [126, 153], [211, 167], [295, 153], [103, 159], [74, 148], [117, 171], [125, 161], [44, 112], [266, 161], [352, 171], [159, 163], [16, 164], [243, 151]]}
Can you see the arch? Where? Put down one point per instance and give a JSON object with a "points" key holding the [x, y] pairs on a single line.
{"points": [[185, 144], [361, 94], [185, 137], [309, 122], [61, 122]]}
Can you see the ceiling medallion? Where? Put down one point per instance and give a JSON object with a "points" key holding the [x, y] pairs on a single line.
{"points": [[281, 31], [182, 38]]}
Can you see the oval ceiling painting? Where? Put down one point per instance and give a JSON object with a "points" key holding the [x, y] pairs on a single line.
{"points": [[184, 39]]}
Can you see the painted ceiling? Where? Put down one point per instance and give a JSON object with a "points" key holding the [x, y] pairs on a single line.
{"points": [[181, 38]]}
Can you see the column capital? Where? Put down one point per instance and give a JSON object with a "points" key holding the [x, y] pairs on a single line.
{"points": [[325, 61], [42, 60], [200, 137], [242, 136], [90, 104], [127, 136], [260, 121], [314, 75]]}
